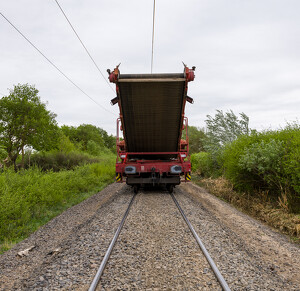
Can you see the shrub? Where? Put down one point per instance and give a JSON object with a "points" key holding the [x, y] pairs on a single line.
{"points": [[263, 161], [93, 148], [57, 161], [266, 161], [64, 144], [291, 159], [205, 164]]}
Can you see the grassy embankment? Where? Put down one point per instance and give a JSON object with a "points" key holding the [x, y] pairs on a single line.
{"points": [[260, 174], [30, 198]]}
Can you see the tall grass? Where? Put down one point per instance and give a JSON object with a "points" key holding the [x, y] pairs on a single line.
{"points": [[30, 198]]}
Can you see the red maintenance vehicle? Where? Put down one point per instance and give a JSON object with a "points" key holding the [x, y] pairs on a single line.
{"points": [[154, 149]]}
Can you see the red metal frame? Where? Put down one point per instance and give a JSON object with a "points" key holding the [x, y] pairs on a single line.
{"points": [[146, 166]]}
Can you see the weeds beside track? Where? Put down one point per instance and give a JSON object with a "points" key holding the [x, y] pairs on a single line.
{"points": [[30, 198]]}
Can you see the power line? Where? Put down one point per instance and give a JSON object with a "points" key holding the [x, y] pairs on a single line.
{"points": [[83, 45], [153, 35], [55, 65]]}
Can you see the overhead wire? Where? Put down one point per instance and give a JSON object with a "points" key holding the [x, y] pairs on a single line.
{"points": [[55, 65], [83, 45], [153, 35]]}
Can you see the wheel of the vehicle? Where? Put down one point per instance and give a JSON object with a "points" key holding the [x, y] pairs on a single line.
{"points": [[135, 189], [170, 188]]}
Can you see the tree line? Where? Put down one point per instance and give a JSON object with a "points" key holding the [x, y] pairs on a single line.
{"points": [[27, 126]]}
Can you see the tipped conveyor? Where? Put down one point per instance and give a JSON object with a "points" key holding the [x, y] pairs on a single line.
{"points": [[152, 106]]}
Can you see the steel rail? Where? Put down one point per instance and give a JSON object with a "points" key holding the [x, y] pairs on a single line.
{"points": [[203, 249], [98, 275]]}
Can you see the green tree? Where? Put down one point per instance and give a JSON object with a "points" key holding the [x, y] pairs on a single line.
{"points": [[70, 132], [84, 133], [196, 139], [93, 148], [109, 140], [64, 144], [224, 128], [25, 122], [88, 132]]}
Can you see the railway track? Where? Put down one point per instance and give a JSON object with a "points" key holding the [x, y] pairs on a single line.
{"points": [[155, 249], [212, 264]]}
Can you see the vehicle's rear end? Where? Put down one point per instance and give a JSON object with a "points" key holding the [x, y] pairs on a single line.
{"points": [[152, 106]]}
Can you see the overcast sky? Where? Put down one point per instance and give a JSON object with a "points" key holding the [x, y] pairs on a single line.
{"points": [[246, 53]]}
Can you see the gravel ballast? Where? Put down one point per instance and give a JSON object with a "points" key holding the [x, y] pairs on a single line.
{"points": [[155, 250], [46, 267]]}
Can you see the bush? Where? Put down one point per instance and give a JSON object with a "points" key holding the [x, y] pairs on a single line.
{"points": [[57, 161], [263, 161], [291, 159], [205, 164], [65, 145], [266, 161]]}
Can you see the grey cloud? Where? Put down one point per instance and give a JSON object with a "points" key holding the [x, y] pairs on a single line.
{"points": [[247, 54]]}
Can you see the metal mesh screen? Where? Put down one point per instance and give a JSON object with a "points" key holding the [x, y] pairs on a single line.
{"points": [[152, 115]]}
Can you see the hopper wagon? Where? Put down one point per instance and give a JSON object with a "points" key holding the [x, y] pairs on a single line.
{"points": [[153, 148]]}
